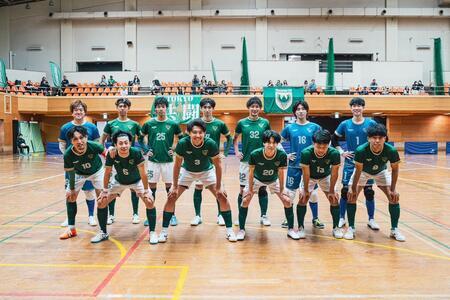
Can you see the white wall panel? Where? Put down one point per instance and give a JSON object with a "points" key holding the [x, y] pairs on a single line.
{"points": [[229, 4], [324, 3], [162, 5]]}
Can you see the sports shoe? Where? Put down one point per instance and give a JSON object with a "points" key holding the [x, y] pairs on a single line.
{"points": [[146, 222], [220, 220], [373, 225], [65, 223], [284, 224], [397, 235], [236, 223], [173, 221], [136, 219], [197, 220], [317, 224], [111, 219], [292, 234], [338, 233], [349, 234], [69, 233], [162, 237], [240, 235], [342, 222], [92, 221], [301, 233], [231, 236], [153, 238], [100, 237], [265, 221]]}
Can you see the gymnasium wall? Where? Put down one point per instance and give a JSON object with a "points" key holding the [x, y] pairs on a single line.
{"points": [[419, 128]]}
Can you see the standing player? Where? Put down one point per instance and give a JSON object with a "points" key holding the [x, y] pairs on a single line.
{"points": [[252, 129], [355, 132], [130, 174], [125, 124], [159, 136], [194, 154], [214, 128], [320, 165], [266, 168], [79, 109], [371, 163], [300, 134], [82, 163]]}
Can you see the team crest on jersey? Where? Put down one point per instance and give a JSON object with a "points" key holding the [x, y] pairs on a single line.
{"points": [[384, 159], [309, 130], [167, 127], [205, 152], [130, 126], [90, 156], [277, 163], [261, 125], [215, 127], [283, 98], [327, 161], [131, 161]]}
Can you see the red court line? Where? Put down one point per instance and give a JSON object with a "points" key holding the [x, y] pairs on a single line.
{"points": [[43, 294]]}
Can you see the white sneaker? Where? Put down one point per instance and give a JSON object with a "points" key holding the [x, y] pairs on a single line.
{"points": [[301, 233], [397, 235], [65, 223], [342, 222], [220, 221], [240, 235], [136, 219], [162, 237], [100, 237], [292, 234], [197, 220], [173, 221], [111, 219], [373, 225], [349, 234], [265, 221], [236, 223], [92, 221], [231, 236], [153, 238], [338, 233]]}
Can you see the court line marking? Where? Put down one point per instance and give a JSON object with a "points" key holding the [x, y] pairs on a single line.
{"points": [[425, 182], [180, 283], [43, 294], [299, 296], [35, 161], [30, 182], [422, 164], [32, 212]]}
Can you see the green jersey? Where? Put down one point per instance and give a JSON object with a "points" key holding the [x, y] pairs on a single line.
{"points": [[197, 159], [320, 167], [160, 138], [126, 167], [266, 169], [375, 163], [87, 163], [214, 129], [252, 132], [130, 126]]}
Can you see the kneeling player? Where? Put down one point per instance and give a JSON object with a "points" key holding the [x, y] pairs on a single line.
{"points": [[196, 153], [266, 169], [82, 163], [130, 167], [371, 163], [320, 165]]}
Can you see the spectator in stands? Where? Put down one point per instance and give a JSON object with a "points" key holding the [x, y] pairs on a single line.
{"points": [[385, 91], [209, 89], [420, 85], [44, 84], [103, 81], [156, 86], [136, 80], [222, 87], [312, 87], [65, 82], [135, 85], [195, 81], [278, 83], [29, 85], [21, 144], [406, 90], [270, 83], [365, 91], [203, 82], [285, 83], [305, 84], [111, 81], [373, 85]]}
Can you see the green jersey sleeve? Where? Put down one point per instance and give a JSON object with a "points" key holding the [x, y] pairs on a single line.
{"points": [[359, 154], [224, 130], [305, 158], [68, 162], [213, 149], [283, 159], [107, 129], [252, 160], [138, 157], [335, 157], [393, 155], [109, 161], [98, 148], [238, 129], [179, 149], [177, 130]]}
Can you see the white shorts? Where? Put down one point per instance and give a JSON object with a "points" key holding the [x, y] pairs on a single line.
{"points": [[207, 178], [323, 183], [383, 178], [274, 187], [96, 179], [155, 171], [243, 173]]}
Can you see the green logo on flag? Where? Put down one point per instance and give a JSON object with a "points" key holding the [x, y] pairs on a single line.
{"points": [[283, 98], [279, 100]]}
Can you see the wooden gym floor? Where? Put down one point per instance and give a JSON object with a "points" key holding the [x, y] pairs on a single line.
{"points": [[198, 263]]}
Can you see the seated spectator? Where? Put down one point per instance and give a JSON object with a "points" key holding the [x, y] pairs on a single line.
{"points": [[305, 84], [64, 82], [195, 81], [373, 85], [222, 87], [103, 81], [136, 80], [278, 83], [135, 85], [312, 87], [21, 144], [111, 81], [270, 83], [44, 83], [203, 82], [420, 85], [156, 86], [406, 90], [285, 83], [385, 91], [365, 91], [29, 85], [209, 89]]}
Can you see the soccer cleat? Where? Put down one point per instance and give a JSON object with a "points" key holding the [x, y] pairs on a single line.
{"points": [[236, 223], [69, 233], [292, 234], [284, 224], [197, 220], [338, 233], [301, 233], [173, 221], [317, 224], [349, 234], [397, 235], [135, 219], [265, 221], [92, 221], [65, 223], [111, 219], [342, 222], [220, 220], [153, 238], [146, 222], [231, 236], [100, 237], [162, 237], [373, 225], [240, 235]]}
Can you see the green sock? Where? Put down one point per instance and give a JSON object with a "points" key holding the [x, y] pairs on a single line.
{"points": [[135, 203], [227, 217], [102, 216], [351, 212], [301, 212], [242, 217], [289, 213], [71, 212], [218, 208], [197, 201], [239, 200], [263, 203], [334, 210], [153, 193], [394, 211], [166, 218], [151, 217], [111, 207]]}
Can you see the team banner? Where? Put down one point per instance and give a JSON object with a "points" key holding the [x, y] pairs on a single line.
{"points": [[279, 100], [182, 108], [56, 74], [3, 82]]}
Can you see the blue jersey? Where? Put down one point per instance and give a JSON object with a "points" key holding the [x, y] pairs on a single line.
{"points": [[355, 134], [300, 137], [92, 130]]}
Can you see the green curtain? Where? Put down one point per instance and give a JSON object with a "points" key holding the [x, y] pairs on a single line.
{"points": [[56, 74], [214, 72], [245, 81], [3, 82], [330, 90], [438, 73], [36, 137]]}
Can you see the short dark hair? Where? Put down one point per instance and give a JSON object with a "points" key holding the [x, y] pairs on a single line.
{"points": [[268, 134], [322, 136], [209, 101], [357, 101], [377, 130], [77, 103], [196, 122], [302, 103], [123, 101], [119, 134], [254, 100], [161, 101], [80, 129]]}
